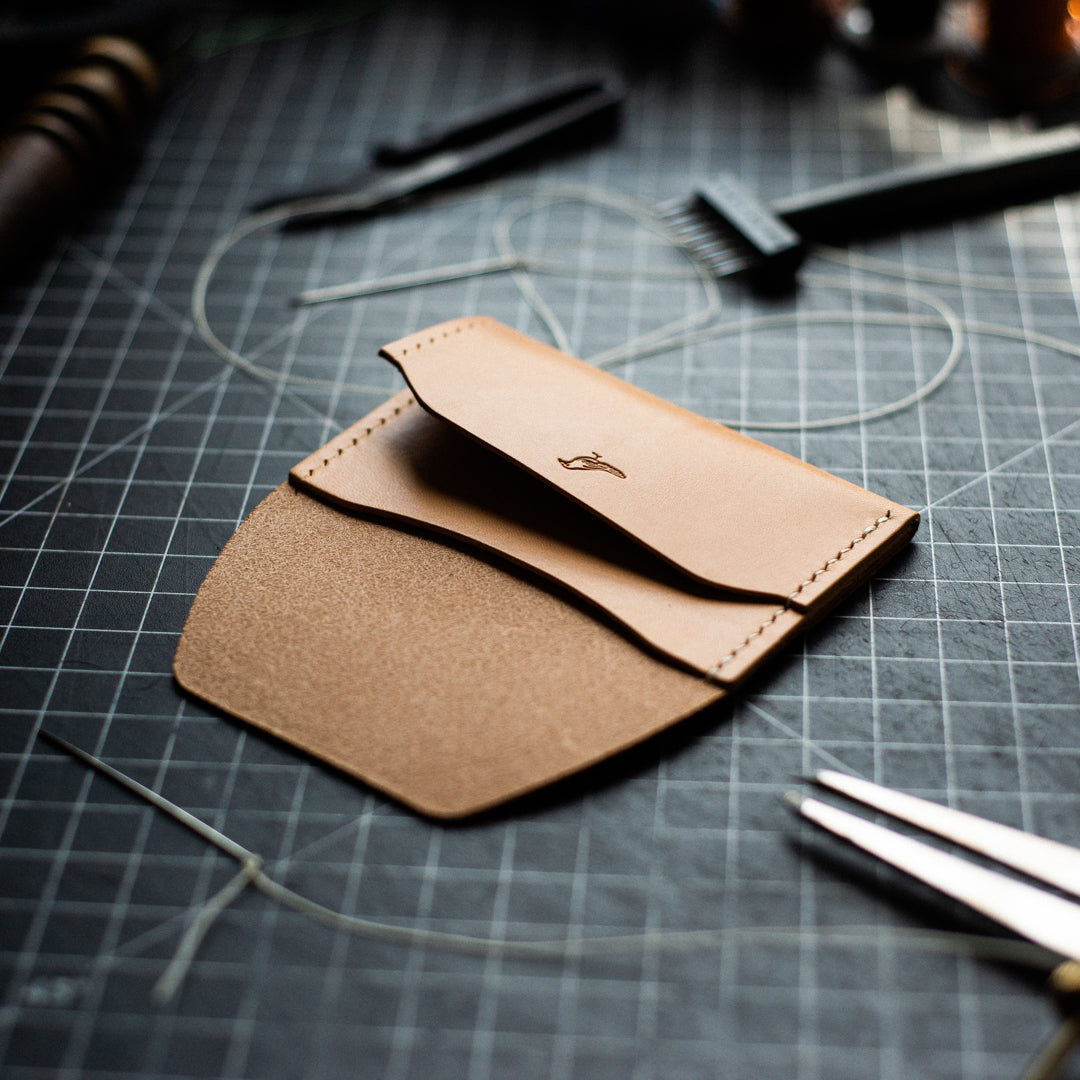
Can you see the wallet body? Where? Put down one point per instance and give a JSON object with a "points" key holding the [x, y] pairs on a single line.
{"points": [[514, 568]]}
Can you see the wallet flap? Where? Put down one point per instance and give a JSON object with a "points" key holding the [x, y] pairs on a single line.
{"points": [[402, 462], [722, 508]]}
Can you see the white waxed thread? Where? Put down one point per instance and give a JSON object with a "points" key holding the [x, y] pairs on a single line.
{"points": [[173, 976], [646, 217], [535, 264], [672, 335], [252, 873]]}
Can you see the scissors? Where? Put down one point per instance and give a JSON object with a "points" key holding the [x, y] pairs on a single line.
{"points": [[1042, 917]]}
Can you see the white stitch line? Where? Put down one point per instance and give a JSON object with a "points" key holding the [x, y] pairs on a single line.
{"points": [[356, 438], [714, 671], [446, 333], [397, 411]]}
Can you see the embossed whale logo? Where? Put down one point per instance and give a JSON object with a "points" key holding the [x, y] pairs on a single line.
{"points": [[591, 461]]}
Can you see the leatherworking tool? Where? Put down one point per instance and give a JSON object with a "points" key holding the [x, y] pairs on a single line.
{"points": [[732, 230], [573, 105], [1042, 917]]}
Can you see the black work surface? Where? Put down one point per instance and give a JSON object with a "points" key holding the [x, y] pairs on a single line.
{"points": [[748, 948]]}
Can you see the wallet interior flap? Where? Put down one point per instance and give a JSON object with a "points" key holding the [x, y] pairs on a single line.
{"points": [[724, 509], [402, 462]]}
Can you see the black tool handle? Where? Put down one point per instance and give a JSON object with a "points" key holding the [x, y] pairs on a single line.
{"points": [[1033, 168], [460, 163], [494, 118]]}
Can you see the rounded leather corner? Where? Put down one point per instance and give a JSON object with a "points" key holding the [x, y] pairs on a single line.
{"points": [[435, 677]]}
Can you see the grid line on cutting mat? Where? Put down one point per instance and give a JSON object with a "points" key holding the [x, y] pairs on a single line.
{"points": [[953, 674]]}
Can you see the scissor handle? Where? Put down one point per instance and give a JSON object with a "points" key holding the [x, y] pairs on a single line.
{"points": [[1065, 982]]}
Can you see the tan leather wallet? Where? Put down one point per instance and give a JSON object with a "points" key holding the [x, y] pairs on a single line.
{"points": [[515, 568]]}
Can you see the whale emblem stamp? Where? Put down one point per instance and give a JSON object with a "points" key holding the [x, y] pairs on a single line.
{"points": [[591, 461]]}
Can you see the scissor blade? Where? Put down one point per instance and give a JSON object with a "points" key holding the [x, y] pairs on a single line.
{"points": [[1048, 860], [1042, 917]]}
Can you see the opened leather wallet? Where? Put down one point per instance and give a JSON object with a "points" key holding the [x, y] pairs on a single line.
{"points": [[515, 568]]}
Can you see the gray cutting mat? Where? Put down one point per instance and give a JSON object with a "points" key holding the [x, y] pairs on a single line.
{"points": [[131, 452]]}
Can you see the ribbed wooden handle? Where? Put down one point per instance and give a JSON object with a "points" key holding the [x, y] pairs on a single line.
{"points": [[70, 132]]}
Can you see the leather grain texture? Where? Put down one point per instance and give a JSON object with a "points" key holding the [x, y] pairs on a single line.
{"points": [[432, 675], [440, 606]]}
